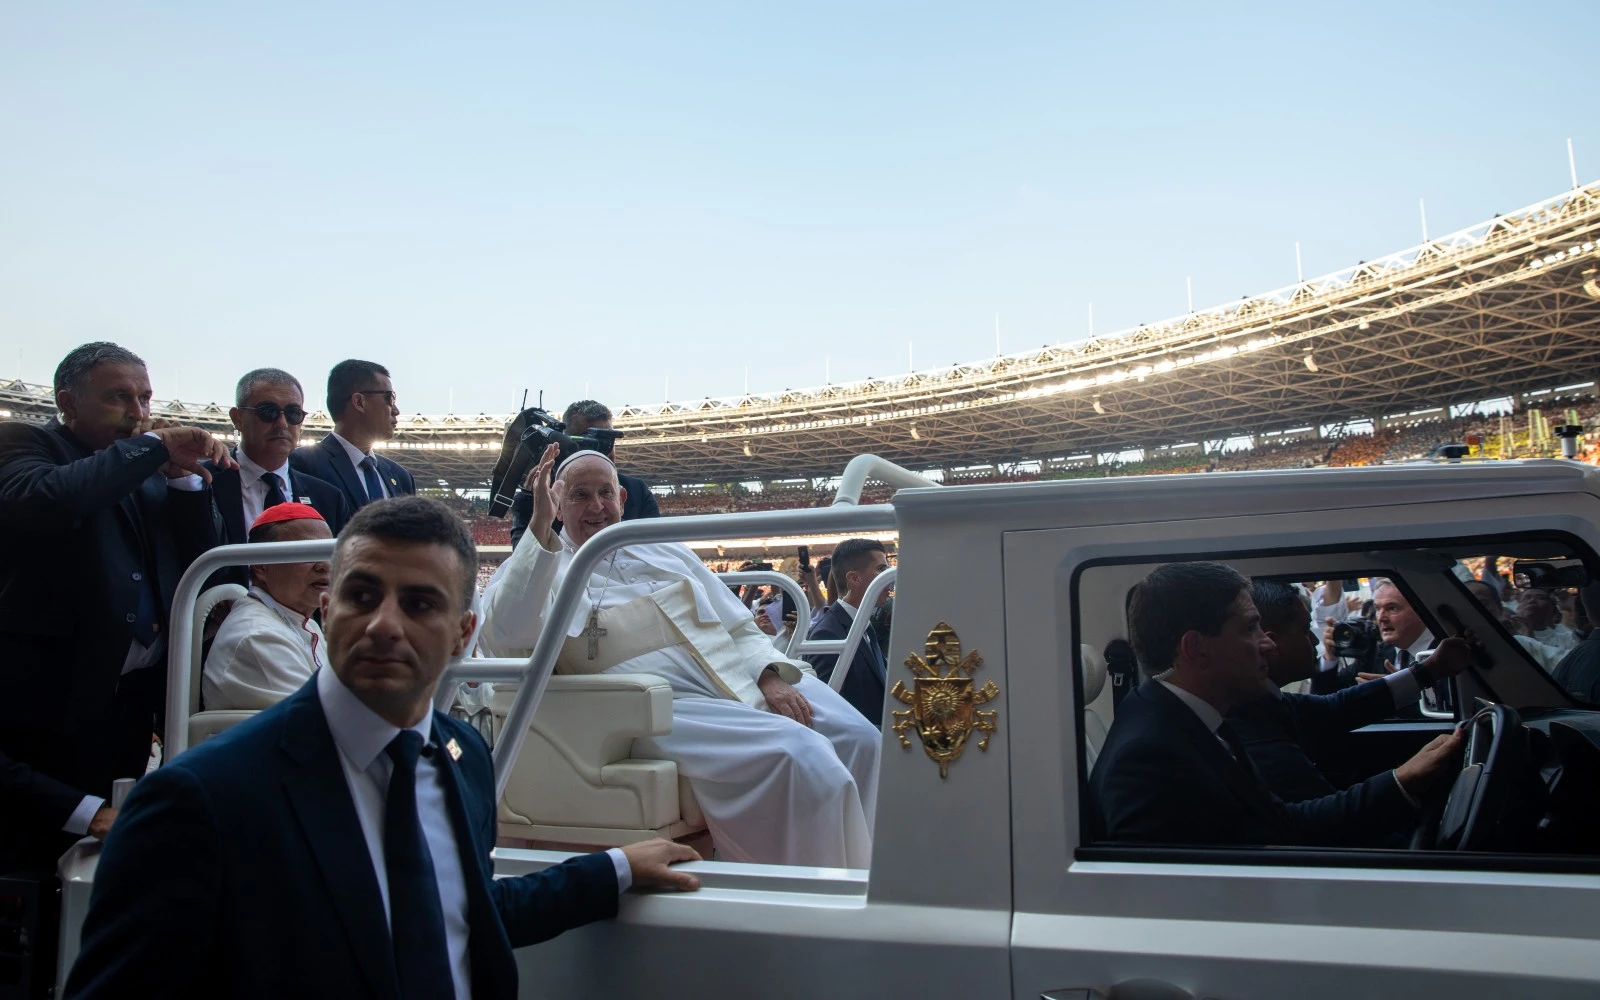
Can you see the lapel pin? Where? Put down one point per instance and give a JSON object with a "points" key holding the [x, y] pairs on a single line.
{"points": [[305, 500], [393, 483], [453, 749]]}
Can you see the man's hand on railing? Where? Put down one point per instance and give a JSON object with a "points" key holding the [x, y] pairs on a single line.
{"points": [[651, 862]]}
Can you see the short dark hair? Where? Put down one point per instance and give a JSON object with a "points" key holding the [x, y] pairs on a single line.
{"points": [[1176, 599], [346, 379], [851, 555], [421, 521], [588, 409], [259, 376], [825, 576], [1279, 603], [74, 369]]}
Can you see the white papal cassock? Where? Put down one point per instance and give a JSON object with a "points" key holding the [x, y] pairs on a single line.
{"points": [[771, 789]]}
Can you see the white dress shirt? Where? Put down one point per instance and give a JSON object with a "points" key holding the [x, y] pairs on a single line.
{"points": [[356, 456], [362, 736], [254, 490]]}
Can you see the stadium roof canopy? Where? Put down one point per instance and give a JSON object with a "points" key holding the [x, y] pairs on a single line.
{"points": [[1506, 306]]}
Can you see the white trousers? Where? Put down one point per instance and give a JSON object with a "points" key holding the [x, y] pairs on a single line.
{"points": [[773, 791]]}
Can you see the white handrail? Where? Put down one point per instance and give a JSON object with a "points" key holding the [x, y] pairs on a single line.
{"points": [[859, 625], [533, 673], [756, 524], [863, 467], [790, 586], [182, 650]]}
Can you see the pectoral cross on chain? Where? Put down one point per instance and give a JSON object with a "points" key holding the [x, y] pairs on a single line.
{"points": [[593, 631]]}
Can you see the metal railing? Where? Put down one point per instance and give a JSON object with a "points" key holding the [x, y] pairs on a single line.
{"points": [[790, 586], [183, 649], [862, 467], [846, 648], [533, 673]]}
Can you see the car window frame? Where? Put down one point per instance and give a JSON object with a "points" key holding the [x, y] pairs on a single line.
{"points": [[1329, 857]]}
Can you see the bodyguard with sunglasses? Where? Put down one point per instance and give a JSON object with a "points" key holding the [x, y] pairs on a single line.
{"points": [[365, 410], [269, 413]]}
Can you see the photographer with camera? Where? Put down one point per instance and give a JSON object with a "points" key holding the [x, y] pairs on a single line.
{"points": [[1364, 649], [581, 422]]}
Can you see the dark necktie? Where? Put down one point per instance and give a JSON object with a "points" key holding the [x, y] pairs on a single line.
{"points": [[416, 918], [369, 472], [274, 490]]}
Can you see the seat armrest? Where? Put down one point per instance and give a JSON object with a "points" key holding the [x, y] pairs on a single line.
{"points": [[593, 719]]}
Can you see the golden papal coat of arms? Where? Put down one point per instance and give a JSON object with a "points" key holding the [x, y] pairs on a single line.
{"points": [[944, 703]]}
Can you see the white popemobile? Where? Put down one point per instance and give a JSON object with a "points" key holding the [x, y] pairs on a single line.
{"points": [[983, 879]]}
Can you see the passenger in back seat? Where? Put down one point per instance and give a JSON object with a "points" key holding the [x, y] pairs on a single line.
{"points": [[1284, 733], [269, 644], [1172, 771]]}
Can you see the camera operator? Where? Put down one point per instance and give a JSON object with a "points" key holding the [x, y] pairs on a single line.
{"points": [[580, 418], [1363, 649]]}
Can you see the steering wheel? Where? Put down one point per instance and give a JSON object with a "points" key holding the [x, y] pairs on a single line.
{"points": [[1484, 810]]}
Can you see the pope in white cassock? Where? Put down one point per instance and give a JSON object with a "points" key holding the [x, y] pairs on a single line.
{"points": [[784, 769]]}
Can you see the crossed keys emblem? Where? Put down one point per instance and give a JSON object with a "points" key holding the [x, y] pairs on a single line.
{"points": [[944, 703]]}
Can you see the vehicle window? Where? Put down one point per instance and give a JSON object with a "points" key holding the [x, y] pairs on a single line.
{"points": [[1427, 699]]}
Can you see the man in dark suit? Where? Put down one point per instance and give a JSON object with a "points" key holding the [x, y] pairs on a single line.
{"points": [[1286, 733], [1578, 673], [580, 418], [856, 563], [338, 844], [269, 412], [101, 511], [1172, 771], [365, 410]]}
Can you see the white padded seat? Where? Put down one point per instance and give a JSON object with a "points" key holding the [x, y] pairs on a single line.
{"points": [[1093, 670], [204, 725], [574, 781]]}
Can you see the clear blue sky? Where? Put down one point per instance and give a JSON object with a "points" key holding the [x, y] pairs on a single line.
{"points": [[488, 197]]}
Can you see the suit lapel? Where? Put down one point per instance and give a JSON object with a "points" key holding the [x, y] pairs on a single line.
{"points": [[345, 472], [315, 782], [493, 965], [1240, 776], [228, 487]]}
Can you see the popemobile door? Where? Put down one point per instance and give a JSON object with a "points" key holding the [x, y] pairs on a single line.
{"points": [[1251, 922]]}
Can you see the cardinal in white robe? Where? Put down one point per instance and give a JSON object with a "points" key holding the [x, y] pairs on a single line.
{"points": [[269, 645], [784, 769]]}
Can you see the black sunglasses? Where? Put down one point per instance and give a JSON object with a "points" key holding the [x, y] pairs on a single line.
{"points": [[268, 412]]}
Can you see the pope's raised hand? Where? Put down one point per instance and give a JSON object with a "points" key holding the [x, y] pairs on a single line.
{"points": [[545, 499]]}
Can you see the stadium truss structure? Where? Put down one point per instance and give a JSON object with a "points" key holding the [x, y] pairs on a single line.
{"points": [[1506, 306]]}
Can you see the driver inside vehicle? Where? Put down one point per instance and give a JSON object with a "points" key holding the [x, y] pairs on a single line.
{"points": [[1174, 771]]}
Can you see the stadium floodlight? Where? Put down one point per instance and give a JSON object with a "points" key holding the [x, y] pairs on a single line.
{"points": [[1098, 408], [1311, 362], [1591, 282]]}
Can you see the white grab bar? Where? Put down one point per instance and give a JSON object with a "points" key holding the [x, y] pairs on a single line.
{"points": [[863, 467], [858, 628], [790, 586], [533, 673]]}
